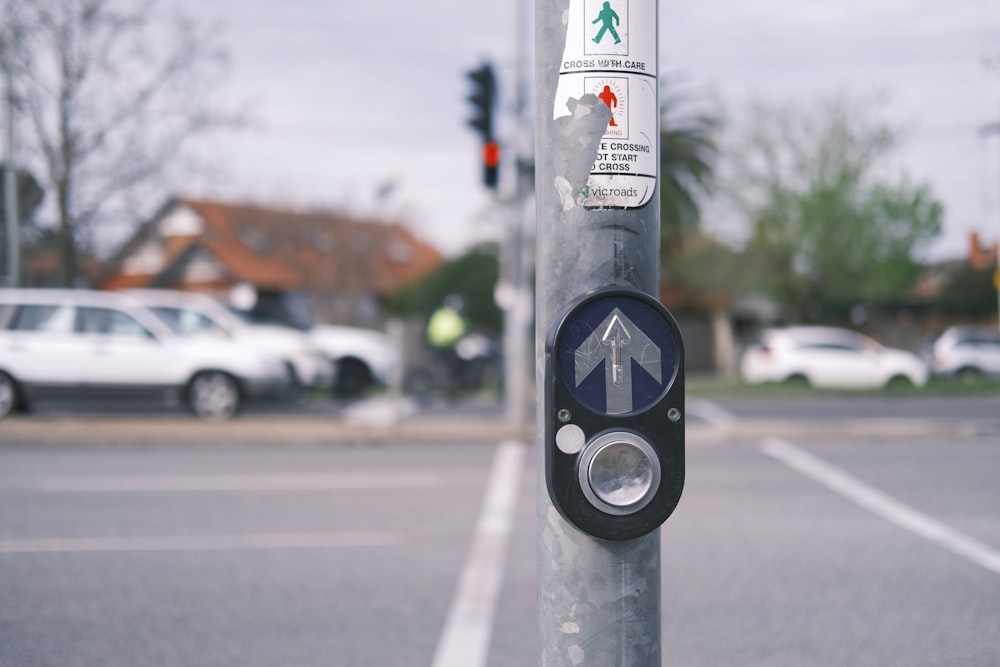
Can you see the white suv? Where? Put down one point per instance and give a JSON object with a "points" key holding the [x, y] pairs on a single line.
{"points": [[189, 312], [364, 357], [829, 357], [58, 343], [966, 352]]}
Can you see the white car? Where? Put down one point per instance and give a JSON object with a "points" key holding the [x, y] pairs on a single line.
{"points": [[966, 352], [829, 357], [190, 312], [363, 356], [84, 344]]}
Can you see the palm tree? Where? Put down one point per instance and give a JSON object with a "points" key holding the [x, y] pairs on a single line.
{"points": [[688, 150]]}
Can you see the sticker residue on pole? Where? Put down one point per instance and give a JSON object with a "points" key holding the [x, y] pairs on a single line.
{"points": [[611, 53]]}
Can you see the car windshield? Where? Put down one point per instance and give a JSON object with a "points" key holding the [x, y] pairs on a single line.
{"points": [[248, 317], [831, 339], [184, 321], [110, 322], [43, 317], [978, 337]]}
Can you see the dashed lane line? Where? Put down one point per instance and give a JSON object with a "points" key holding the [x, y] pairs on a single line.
{"points": [[200, 483], [163, 543]]}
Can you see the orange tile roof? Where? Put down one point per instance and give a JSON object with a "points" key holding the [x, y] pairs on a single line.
{"points": [[294, 250]]}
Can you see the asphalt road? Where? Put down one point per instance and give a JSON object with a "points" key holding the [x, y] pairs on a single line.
{"points": [[851, 534]]}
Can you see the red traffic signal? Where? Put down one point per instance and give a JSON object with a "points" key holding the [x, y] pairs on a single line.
{"points": [[491, 154], [491, 163]]}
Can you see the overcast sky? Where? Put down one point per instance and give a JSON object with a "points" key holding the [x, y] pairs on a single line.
{"points": [[350, 96]]}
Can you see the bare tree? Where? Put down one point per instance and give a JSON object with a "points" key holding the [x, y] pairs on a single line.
{"points": [[112, 92]]}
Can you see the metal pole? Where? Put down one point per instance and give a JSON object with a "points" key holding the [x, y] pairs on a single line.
{"points": [[517, 344], [996, 272], [597, 226], [10, 173], [985, 132], [516, 307]]}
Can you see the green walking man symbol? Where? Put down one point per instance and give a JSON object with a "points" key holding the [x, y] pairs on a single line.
{"points": [[610, 19]]}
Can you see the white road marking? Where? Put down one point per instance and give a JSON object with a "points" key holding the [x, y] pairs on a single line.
{"points": [[883, 505], [381, 411], [250, 542], [467, 631], [711, 413], [238, 482]]}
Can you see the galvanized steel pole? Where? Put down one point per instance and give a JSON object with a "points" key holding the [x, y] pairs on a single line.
{"points": [[517, 260], [11, 212], [597, 226]]}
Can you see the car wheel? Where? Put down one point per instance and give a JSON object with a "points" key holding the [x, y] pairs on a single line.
{"points": [[900, 382], [798, 381], [213, 395], [9, 396], [969, 374], [353, 377]]}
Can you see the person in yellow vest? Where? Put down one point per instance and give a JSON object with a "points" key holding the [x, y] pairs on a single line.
{"points": [[445, 328], [447, 325]]}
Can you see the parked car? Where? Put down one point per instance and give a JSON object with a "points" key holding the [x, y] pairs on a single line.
{"points": [[189, 312], [828, 357], [364, 357], [361, 357], [966, 352], [83, 344]]}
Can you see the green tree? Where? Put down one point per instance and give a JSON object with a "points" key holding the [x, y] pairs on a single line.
{"points": [[708, 269], [830, 228], [969, 293], [688, 151], [111, 94], [472, 276]]}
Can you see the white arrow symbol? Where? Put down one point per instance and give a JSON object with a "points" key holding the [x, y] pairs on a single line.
{"points": [[617, 341]]}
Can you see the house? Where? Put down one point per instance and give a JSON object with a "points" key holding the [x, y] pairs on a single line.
{"points": [[982, 257], [718, 317], [301, 266]]}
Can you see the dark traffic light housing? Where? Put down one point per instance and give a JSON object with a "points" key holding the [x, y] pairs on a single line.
{"points": [[483, 99]]}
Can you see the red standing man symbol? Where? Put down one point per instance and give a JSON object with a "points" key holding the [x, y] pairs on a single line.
{"points": [[611, 100]]}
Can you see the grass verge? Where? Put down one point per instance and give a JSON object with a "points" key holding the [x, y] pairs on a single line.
{"points": [[708, 387]]}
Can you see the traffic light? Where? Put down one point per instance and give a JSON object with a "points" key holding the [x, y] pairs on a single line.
{"points": [[491, 163], [483, 100]]}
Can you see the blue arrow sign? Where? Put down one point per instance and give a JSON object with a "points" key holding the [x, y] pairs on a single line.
{"points": [[631, 337], [616, 342]]}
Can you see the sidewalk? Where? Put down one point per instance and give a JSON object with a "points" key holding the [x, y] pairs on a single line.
{"points": [[402, 420], [380, 420]]}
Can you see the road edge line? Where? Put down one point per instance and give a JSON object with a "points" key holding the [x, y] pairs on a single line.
{"points": [[882, 504], [468, 628]]}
